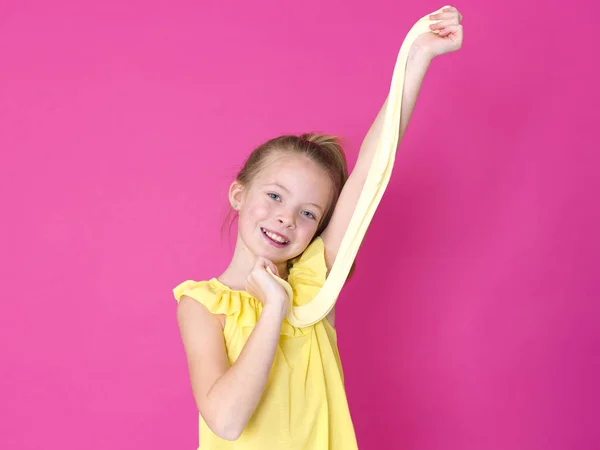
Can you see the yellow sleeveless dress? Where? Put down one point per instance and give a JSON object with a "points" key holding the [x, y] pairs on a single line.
{"points": [[304, 405]]}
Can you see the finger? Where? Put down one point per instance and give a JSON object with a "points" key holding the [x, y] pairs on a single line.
{"points": [[268, 263], [443, 24], [452, 29], [444, 15], [261, 263], [453, 10], [274, 268]]}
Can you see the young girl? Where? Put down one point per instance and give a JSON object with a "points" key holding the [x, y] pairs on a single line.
{"points": [[258, 381]]}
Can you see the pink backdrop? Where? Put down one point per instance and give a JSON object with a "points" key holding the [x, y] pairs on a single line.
{"points": [[472, 321]]}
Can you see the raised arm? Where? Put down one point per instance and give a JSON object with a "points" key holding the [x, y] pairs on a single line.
{"points": [[448, 38], [332, 236]]}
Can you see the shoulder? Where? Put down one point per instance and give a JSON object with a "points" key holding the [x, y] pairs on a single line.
{"points": [[237, 307], [308, 273], [309, 266], [198, 301], [189, 308]]}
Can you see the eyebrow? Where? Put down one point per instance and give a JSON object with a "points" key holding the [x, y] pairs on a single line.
{"points": [[280, 186]]}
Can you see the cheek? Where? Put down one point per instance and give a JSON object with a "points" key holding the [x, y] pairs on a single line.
{"points": [[307, 227], [258, 209], [261, 208]]}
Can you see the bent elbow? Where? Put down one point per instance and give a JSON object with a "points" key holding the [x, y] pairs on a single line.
{"points": [[226, 428], [230, 434], [228, 431]]}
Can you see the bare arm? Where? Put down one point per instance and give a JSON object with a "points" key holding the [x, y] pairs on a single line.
{"points": [[226, 396], [417, 65]]}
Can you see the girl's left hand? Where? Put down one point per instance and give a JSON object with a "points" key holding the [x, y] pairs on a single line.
{"points": [[449, 38]]}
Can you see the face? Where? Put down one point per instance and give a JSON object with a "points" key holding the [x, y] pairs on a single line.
{"points": [[280, 211]]}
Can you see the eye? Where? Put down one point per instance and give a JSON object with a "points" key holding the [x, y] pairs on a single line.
{"points": [[274, 196], [309, 214]]}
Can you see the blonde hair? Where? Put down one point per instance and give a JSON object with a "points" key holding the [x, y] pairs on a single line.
{"points": [[323, 149]]}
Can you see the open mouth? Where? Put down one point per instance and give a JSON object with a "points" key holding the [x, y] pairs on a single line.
{"points": [[274, 238]]}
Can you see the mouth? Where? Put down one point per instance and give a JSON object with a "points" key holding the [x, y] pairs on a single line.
{"points": [[276, 239]]}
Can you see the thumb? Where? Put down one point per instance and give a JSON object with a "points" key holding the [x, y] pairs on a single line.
{"points": [[273, 268], [267, 264]]}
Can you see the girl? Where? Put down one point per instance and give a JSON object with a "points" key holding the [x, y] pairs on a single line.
{"points": [[256, 379]]}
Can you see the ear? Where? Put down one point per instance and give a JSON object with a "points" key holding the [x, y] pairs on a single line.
{"points": [[236, 195]]}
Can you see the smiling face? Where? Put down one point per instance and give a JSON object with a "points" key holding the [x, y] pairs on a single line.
{"points": [[280, 211]]}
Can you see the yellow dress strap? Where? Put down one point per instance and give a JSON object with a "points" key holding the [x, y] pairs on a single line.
{"points": [[374, 187]]}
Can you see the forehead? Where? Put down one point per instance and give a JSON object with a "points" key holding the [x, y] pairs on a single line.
{"points": [[299, 174]]}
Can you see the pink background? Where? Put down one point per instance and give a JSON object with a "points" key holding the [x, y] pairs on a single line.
{"points": [[473, 318]]}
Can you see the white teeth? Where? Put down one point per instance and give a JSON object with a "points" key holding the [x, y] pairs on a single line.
{"points": [[275, 237]]}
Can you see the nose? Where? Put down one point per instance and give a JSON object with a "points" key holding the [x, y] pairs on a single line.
{"points": [[286, 218]]}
